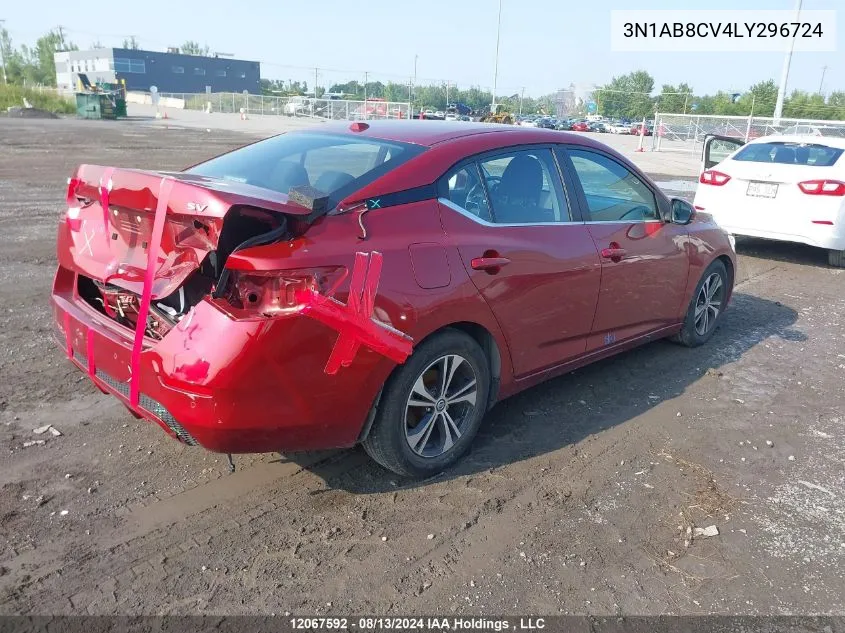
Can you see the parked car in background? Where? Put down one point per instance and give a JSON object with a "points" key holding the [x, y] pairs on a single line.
{"points": [[784, 187], [618, 127], [529, 122], [563, 124], [639, 129], [598, 126], [258, 320], [815, 130], [547, 123], [580, 126], [297, 105]]}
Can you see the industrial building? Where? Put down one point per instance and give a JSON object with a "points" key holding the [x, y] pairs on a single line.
{"points": [[169, 72]]}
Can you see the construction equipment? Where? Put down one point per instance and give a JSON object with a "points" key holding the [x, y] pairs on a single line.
{"points": [[497, 114], [100, 101]]}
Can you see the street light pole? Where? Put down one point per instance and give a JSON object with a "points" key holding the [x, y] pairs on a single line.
{"points": [[496, 67], [784, 76], [415, 82], [3, 59], [521, 97], [821, 83]]}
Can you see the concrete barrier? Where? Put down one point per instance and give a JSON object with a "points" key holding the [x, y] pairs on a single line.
{"points": [[143, 98]]}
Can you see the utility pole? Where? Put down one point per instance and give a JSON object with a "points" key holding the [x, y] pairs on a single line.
{"points": [[3, 56], [316, 70], [447, 93], [366, 75], [521, 97], [821, 83], [496, 67], [784, 76], [61, 30], [414, 98]]}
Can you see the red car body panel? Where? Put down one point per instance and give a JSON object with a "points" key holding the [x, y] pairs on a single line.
{"points": [[251, 384]]}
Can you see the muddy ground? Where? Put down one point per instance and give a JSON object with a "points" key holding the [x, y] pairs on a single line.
{"points": [[576, 497]]}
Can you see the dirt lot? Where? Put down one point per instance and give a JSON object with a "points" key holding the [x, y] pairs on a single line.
{"points": [[576, 498]]}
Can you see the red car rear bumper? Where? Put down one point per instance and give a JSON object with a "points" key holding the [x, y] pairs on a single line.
{"points": [[228, 385]]}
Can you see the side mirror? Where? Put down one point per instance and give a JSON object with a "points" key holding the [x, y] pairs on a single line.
{"points": [[682, 211]]}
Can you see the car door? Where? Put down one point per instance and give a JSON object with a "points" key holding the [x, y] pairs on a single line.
{"points": [[512, 224], [718, 148], [644, 259]]}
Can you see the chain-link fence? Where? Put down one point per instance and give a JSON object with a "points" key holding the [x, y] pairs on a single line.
{"points": [[686, 132], [328, 109]]}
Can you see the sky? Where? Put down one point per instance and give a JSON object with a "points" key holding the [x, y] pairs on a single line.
{"points": [[544, 44]]}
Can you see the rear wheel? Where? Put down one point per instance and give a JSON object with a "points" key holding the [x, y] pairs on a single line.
{"points": [[432, 407], [836, 258], [705, 309]]}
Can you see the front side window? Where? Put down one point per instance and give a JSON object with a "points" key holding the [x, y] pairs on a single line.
{"points": [[335, 165], [613, 193]]}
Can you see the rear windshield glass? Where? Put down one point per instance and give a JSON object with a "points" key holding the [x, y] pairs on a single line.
{"points": [[336, 165], [809, 154]]}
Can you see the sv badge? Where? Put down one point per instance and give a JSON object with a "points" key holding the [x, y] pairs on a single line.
{"points": [[197, 207]]}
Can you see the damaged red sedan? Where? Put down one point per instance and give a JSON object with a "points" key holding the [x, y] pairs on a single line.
{"points": [[382, 283]]}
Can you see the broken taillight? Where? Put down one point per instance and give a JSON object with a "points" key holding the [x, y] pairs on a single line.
{"points": [[276, 293]]}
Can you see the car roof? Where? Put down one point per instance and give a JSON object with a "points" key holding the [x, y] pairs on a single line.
{"points": [[429, 133], [832, 141]]}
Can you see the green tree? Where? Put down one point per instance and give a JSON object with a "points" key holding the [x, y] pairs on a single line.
{"points": [[627, 96], [131, 43], [193, 48], [675, 98]]}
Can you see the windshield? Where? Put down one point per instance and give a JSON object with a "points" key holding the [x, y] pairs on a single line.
{"points": [[336, 165], [808, 154]]}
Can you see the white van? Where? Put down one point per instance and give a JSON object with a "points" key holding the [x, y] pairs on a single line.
{"points": [[594, 117]]}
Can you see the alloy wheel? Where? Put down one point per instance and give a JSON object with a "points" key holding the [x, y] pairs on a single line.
{"points": [[708, 303], [441, 404]]}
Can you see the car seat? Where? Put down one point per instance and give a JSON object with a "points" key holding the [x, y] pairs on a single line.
{"points": [[517, 198]]}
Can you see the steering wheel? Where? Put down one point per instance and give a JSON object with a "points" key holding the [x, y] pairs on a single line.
{"points": [[476, 201], [642, 212], [493, 183]]}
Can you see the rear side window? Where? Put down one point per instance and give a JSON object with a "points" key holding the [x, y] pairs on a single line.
{"points": [[336, 165], [808, 154]]}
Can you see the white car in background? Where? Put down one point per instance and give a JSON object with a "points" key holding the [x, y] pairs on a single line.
{"points": [[618, 128], [789, 188]]}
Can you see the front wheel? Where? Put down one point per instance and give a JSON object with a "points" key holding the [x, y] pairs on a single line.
{"points": [[706, 307], [431, 407]]}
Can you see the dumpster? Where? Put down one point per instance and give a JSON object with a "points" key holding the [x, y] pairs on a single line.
{"points": [[95, 105]]}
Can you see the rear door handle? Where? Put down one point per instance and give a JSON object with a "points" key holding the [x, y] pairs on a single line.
{"points": [[614, 252], [490, 265]]}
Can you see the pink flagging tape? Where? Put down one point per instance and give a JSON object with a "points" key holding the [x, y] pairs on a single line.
{"points": [[149, 276], [354, 321], [105, 188], [68, 343], [89, 352]]}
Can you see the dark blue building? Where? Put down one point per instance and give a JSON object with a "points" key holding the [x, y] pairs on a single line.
{"points": [[169, 72]]}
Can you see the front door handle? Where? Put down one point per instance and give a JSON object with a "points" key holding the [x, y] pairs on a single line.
{"points": [[490, 265], [614, 252]]}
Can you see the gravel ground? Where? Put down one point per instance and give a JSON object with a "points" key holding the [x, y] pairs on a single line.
{"points": [[582, 495]]}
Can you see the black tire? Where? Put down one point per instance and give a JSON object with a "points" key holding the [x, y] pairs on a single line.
{"points": [[388, 442], [691, 334], [836, 258]]}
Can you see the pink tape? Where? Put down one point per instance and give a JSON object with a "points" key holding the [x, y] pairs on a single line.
{"points": [[104, 199], [68, 343], [89, 352], [149, 276]]}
